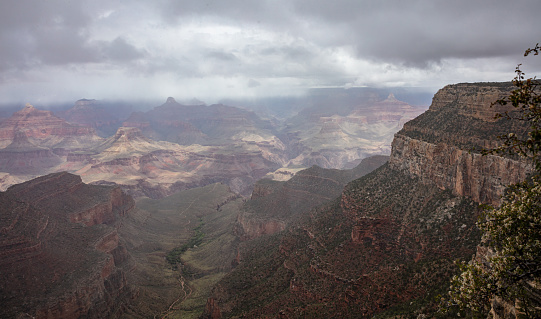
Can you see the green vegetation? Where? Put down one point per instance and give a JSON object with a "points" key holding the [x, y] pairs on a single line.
{"points": [[173, 257], [509, 269], [189, 218]]}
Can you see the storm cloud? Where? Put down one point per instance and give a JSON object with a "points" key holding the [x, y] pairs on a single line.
{"points": [[60, 49]]}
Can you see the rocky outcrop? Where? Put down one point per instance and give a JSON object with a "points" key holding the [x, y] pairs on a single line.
{"points": [[483, 178], [386, 246], [253, 227], [61, 253], [46, 130], [274, 204], [155, 169], [23, 157], [448, 154]]}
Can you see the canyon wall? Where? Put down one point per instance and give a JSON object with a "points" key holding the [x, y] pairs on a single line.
{"points": [[274, 204], [387, 245], [442, 146], [61, 253]]}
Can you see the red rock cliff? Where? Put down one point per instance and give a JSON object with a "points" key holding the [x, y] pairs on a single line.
{"points": [[442, 145], [61, 253]]}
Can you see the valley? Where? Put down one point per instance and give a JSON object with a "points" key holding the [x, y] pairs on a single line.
{"points": [[175, 147], [195, 211], [270, 159]]}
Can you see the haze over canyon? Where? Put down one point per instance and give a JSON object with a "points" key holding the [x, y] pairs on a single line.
{"points": [[269, 159], [233, 214]]}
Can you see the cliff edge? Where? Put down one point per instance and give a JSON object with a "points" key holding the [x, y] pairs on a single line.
{"points": [[387, 245], [61, 256]]}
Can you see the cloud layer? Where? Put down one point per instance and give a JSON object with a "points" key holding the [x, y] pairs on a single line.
{"points": [[212, 49]]}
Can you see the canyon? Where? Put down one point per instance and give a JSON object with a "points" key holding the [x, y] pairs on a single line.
{"points": [[330, 140], [242, 224], [386, 245], [174, 147]]}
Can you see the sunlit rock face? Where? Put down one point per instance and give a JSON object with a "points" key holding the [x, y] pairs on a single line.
{"points": [[46, 130], [338, 141], [61, 254]]}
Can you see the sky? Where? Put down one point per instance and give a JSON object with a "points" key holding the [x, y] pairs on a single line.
{"points": [[62, 50]]}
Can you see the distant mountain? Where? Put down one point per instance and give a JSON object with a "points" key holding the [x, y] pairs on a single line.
{"points": [[37, 142], [92, 113], [387, 244], [324, 137], [44, 129], [337, 101], [216, 124]]}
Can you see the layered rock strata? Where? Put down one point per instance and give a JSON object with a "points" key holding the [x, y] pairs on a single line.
{"points": [[44, 129], [155, 169], [337, 141], [442, 146], [239, 150], [61, 253], [387, 245], [275, 204]]}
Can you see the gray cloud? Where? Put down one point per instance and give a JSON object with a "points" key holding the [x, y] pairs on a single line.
{"points": [[211, 47], [253, 83], [411, 32], [120, 50]]}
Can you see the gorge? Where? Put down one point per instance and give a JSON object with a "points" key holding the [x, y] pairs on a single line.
{"points": [[378, 240]]}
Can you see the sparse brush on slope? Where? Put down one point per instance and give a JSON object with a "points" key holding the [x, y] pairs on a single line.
{"points": [[505, 277]]}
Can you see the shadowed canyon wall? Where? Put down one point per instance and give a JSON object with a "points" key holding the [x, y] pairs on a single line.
{"points": [[61, 253], [387, 245]]}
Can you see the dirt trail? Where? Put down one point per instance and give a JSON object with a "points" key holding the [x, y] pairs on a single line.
{"points": [[183, 296]]}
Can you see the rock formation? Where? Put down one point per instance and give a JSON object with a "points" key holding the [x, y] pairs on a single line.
{"points": [[46, 130], [21, 157], [155, 169], [274, 205], [386, 246], [442, 146], [61, 253], [336, 141], [38, 143], [91, 113], [216, 124]]}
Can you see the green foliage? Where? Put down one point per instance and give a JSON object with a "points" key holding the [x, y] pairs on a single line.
{"points": [[509, 266], [526, 99], [173, 257]]}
